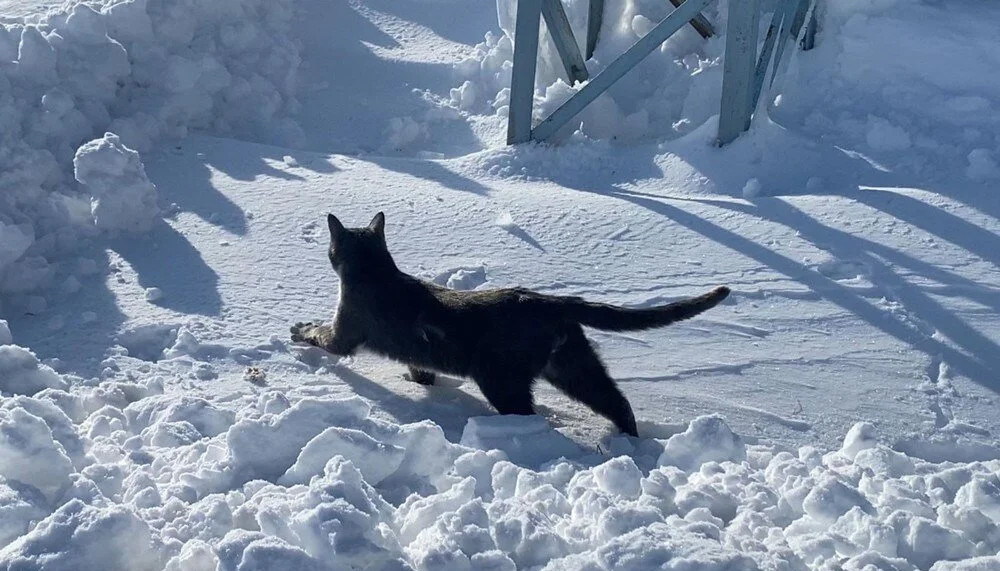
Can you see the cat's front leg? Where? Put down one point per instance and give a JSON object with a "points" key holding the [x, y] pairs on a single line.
{"points": [[334, 340]]}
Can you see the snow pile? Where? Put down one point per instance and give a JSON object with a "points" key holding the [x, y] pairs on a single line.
{"points": [[665, 95], [143, 70], [121, 476], [932, 113], [922, 115]]}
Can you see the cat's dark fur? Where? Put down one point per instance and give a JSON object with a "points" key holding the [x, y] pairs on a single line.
{"points": [[503, 339]]}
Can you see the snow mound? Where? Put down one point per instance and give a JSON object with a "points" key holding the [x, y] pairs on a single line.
{"points": [[122, 198], [79, 536], [120, 476], [707, 439], [144, 70]]}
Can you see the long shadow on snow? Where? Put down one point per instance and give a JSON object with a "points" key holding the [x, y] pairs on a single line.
{"points": [[432, 171], [165, 259], [80, 345], [439, 403], [349, 94], [980, 366]]}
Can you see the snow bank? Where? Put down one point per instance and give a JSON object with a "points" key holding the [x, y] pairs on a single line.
{"points": [[143, 70], [120, 476], [925, 114]]}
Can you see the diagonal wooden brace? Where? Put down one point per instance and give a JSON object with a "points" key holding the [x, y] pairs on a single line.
{"points": [[616, 69], [699, 22], [562, 36]]}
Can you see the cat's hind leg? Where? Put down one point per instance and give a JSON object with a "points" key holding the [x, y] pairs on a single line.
{"points": [[575, 368]]}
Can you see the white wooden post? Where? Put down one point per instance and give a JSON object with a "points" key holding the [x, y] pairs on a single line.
{"points": [[522, 81], [738, 69]]}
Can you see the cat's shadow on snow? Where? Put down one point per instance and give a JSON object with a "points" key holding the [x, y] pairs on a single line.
{"points": [[446, 404]]}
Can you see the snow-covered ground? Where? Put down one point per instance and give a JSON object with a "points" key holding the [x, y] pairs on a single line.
{"points": [[839, 411]]}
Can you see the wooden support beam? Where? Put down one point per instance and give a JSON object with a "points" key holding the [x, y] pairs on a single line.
{"points": [[738, 69], [809, 38], [616, 69], [562, 36], [522, 80], [699, 22], [595, 17], [772, 37]]}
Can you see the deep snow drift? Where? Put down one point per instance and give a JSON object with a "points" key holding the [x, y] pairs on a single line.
{"points": [[122, 476], [839, 412]]}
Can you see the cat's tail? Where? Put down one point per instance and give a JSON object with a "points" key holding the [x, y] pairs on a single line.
{"points": [[614, 318]]}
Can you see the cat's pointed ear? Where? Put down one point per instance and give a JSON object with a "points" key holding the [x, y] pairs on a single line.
{"points": [[336, 228], [378, 224]]}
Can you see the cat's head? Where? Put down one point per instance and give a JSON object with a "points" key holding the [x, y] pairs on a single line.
{"points": [[358, 250]]}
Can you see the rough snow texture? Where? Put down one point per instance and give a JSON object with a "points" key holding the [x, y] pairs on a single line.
{"points": [[118, 476], [144, 70]]}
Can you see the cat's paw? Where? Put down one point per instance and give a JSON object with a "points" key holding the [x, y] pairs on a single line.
{"points": [[426, 378], [301, 332]]}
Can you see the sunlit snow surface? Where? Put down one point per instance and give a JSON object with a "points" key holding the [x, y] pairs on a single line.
{"points": [[839, 411]]}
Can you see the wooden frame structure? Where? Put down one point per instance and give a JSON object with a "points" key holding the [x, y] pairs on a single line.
{"points": [[744, 69]]}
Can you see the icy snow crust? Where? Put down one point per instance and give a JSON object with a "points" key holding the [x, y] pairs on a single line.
{"points": [[118, 476], [144, 70]]}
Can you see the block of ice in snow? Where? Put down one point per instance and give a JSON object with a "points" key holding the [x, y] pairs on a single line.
{"points": [[122, 197], [376, 460], [527, 440], [22, 373], [707, 439]]}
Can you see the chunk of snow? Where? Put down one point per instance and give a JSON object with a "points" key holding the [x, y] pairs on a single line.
{"points": [[268, 446], [707, 439], [376, 460], [860, 437], [122, 198], [29, 453], [22, 373], [752, 188], [153, 294]]}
